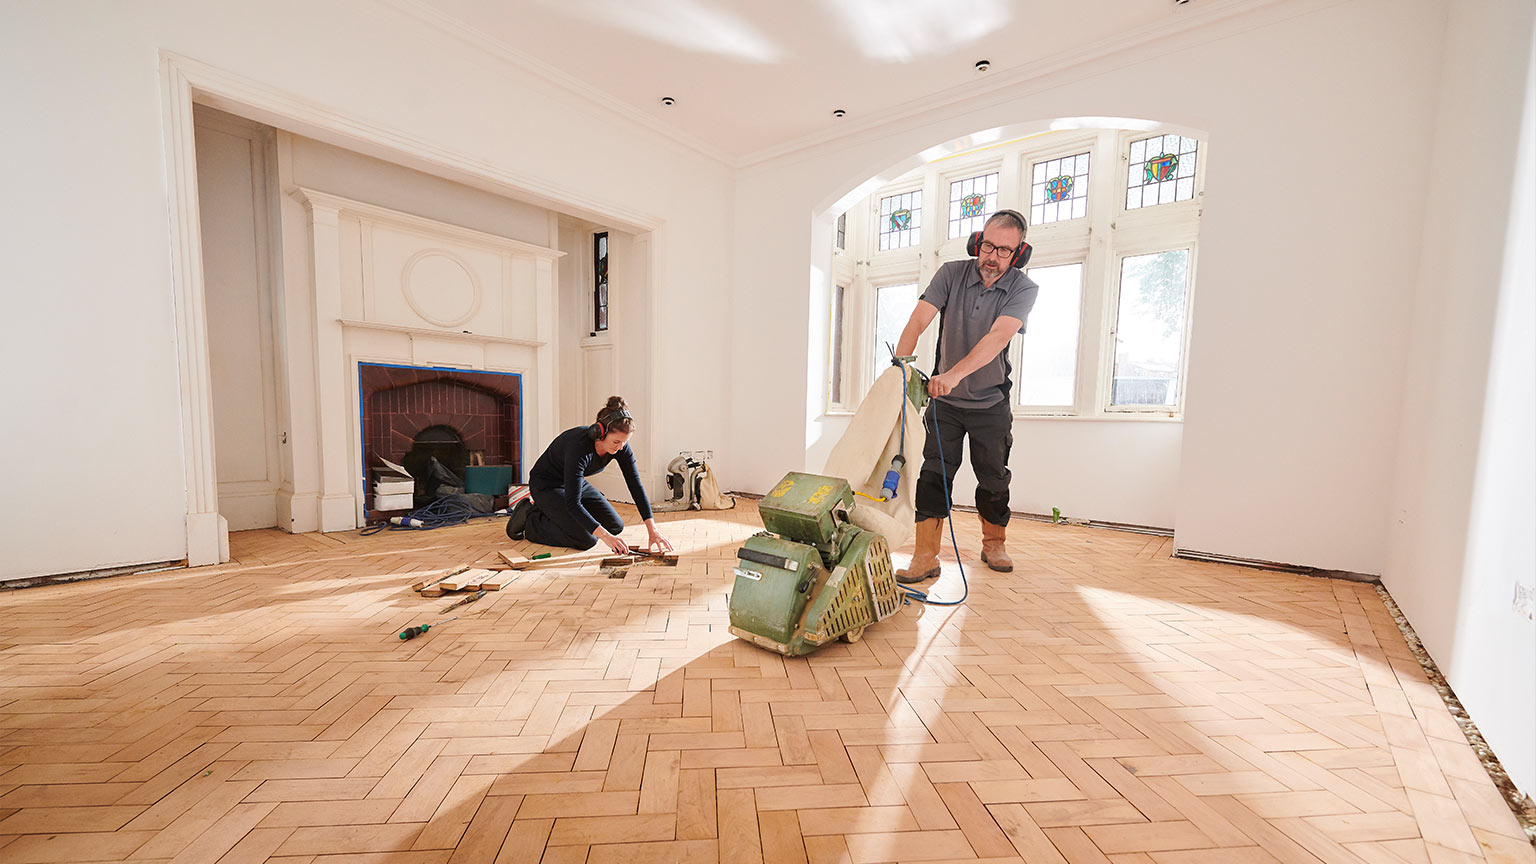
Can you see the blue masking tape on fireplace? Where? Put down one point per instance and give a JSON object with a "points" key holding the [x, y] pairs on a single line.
{"points": [[487, 479]]}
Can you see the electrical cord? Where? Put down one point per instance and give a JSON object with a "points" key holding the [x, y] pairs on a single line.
{"points": [[933, 424], [442, 513]]}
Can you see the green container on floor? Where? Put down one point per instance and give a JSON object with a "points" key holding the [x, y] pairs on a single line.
{"points": [[488, 479]]}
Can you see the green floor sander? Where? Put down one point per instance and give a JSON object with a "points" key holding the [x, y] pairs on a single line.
{"points": [[812, 576]]}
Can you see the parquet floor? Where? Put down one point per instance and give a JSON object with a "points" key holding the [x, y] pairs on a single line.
{"points": [[1104, 703]]}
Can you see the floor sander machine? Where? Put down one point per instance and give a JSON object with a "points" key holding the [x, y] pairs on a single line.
{"points": [[813, 576]]}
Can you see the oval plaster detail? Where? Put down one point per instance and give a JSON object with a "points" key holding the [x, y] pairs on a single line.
{"points": [[440, 287]]}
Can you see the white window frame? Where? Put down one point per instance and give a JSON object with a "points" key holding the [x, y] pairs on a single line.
{"points": [[872, 239], [1016, 347], [952, 248], [836, 372], [1172, 213], [1112, 321], [874, 366], [1093, 146], [1100, 241]]}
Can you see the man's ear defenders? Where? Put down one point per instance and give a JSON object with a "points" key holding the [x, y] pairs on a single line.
{"points": [[973, 246]]}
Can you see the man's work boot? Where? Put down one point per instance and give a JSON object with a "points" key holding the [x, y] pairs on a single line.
{"points": [[925, 558], [993, 551]]}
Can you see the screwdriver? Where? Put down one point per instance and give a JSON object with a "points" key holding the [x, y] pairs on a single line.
{"points": [[413, 632]]}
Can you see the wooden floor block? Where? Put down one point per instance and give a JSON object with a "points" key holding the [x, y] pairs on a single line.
{"points": [[1104, 703]]}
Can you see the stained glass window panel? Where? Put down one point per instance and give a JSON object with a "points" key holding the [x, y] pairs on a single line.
{"points": [[1047, 373], [1059, 189], [1161, 171], [842, 231], [893, 306], [600, 282], [971, 201], [1149, 330], [901, 220]]}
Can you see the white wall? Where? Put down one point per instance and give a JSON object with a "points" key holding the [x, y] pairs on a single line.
{"points": [[1107, 470], [317, 165], [1299, 330], [96, 320], [1464, 503]]}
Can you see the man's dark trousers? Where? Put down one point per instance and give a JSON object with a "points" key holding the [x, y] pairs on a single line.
{"points": [[991, 434]]}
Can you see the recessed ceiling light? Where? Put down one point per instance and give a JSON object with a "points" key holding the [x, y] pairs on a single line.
{"points": [[668, 101], [983, 65], [839, 113]]}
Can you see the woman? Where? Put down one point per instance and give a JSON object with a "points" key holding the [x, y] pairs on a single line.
{"points": [[566, 510]]}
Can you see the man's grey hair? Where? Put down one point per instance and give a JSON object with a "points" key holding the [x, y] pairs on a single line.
{"points": [[1012, 219]]}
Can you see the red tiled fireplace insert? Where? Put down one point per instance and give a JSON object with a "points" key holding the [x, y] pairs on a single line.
{"points": [[462, 417]]}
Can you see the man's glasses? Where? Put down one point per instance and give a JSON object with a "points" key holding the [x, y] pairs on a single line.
{"points": [[989, 249]]}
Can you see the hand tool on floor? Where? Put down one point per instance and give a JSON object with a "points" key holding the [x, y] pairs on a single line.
{"points": [[641, 556], [413, 632], [466, 601]]}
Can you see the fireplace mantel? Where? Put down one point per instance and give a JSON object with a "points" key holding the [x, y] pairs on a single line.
{"points": [[438, 334], [393, 287]]}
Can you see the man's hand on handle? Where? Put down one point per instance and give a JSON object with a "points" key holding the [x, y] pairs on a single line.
{"points": [[940, 385]]}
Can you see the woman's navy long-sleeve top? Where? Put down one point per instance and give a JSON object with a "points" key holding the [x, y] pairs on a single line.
{"points": [[571, 458]]}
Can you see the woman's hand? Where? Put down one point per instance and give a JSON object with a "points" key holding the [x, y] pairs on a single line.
{"points": [[615, 543], [656, 543]]}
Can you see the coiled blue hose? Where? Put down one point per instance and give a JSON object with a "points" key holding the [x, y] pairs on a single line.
{"points": [[442, 513]]}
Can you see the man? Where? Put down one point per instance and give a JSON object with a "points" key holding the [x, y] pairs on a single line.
{"points": [[985, 301]]}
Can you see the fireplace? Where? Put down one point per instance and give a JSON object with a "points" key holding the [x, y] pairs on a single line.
{"points": [[411, 414]]}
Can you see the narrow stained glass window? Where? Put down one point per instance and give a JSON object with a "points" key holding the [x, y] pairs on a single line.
{"points": [[970, 202], [901, 220], [1161, 171], [836, 370], [600, 282], [1059, 189], [842, 231]]}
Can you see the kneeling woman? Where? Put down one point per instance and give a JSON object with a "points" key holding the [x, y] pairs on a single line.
{"points": [[566, 510]]}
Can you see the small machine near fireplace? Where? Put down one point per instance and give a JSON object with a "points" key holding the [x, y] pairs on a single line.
{"points": [[444, 426]]}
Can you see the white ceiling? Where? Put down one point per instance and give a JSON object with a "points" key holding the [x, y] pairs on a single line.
{"points": [[750, 78]]}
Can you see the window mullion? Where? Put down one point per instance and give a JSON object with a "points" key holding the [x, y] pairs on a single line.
{"points": [[1095, 337]]}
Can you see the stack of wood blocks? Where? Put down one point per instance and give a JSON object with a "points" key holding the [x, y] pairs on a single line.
{"points": [[464, 578]]}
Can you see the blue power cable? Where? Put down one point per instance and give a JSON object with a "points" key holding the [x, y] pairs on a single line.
{"points": [[441, 513], [933, 429]]}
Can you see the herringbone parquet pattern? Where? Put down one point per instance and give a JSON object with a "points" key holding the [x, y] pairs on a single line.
{"points": [[1104, 703]]}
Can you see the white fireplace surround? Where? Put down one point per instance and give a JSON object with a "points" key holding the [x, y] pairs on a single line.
{"points": [[392, 287]]}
